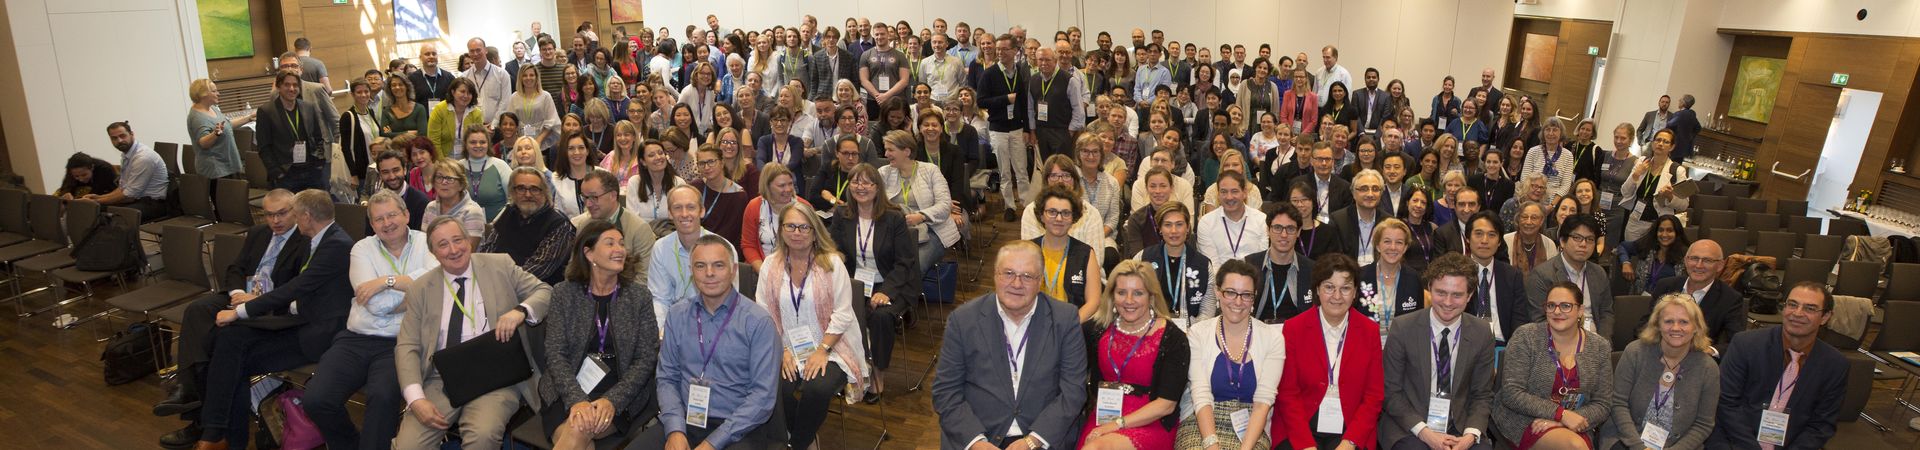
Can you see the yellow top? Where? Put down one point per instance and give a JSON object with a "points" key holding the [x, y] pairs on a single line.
{"points": [[1053, 280]]}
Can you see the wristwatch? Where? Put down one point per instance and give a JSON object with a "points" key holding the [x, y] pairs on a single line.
{"points": [[1210, 440], [1120, 422], [390, 280]]}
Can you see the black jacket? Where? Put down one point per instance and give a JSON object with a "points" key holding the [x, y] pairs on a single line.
{"points": [[1750, 369], [277, 131], [1725, 309], [1509, 289], [892, 248], [322, 288], [259, 238]]}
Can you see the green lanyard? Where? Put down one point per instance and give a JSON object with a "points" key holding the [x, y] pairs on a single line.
{"points": [[459, 302], [293, 123]]}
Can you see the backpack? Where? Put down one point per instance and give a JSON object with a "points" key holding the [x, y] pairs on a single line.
{"points": [[108, 246], [132, 354]]}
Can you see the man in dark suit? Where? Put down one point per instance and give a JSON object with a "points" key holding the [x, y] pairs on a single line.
{"points": [[1725, 309], [299, 336], [1578, 236], [1451, 237], [291, 137], [1371, 102], [393, 178], [1655, 120], [272, 249], [1012, 336], [1499, 295], [1333, 192], [1354, 223], [1493, 93], [828, 66], [1686, 126], [1439, 354], [1781, 385]]}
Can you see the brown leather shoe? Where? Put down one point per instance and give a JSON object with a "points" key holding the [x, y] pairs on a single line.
{"points": [[211, 445]]}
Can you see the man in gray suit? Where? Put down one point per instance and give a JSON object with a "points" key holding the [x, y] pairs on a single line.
{"points": [[1013, 367], [1439, 357], [1577, 238], [490, 297], [1655, 120]]}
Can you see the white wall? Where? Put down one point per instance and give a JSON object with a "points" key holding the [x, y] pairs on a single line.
{"points": [[1884, 17], [499, 22], [78, 71], [1417, 41], [1602, 10]]}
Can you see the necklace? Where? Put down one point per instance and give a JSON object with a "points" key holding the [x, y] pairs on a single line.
{"points": [[1143, 327]]}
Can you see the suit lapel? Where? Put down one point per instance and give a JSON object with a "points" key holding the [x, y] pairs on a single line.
{"points": [[1424, 365], [996, 330]]}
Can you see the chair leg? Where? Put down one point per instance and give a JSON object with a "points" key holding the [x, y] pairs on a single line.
{"points": [[1875, 422]]}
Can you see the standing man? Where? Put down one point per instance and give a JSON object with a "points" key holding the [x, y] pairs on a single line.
{"points": [[828, 66], [884, 71], [1028, 396], [1330, 71], [533, 42], [1655, 120], [942, 73], [1150, 75], [1372, 103], [483, 296], [1781, 387], [520, 61], [1003, 94], [1057, 95], [382, 269], [1686, 127], [316, 71], [143, 176], [1725, 310], [430, 84], [728, 405], [1493, 94], [493, 81], [1439, 366], [534, 234], [963, 45], [553, 69], [290, 137], [319, 94]]}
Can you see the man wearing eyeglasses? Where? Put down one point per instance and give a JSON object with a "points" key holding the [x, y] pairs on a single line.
{"points": [[1334, 192], [1725, 310], [531, 232], [601, 193], [1027, 396], [1578, 235], [1355, 222], [1780, 386]]}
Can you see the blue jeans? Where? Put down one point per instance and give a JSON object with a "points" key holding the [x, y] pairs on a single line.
{"points": [[930, 253]]}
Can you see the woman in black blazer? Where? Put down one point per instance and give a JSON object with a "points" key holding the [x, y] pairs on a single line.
{"points": [[601, 317], [1390, 287], [873, 236], [937, 146]]}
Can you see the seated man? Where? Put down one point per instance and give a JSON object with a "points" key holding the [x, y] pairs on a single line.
{"points": [[312, 308], [669, 281], [717, 392], [1782, 385], [271, 256], [601, 191], [382, 269], [1725, 309], [472, 296], [970, 392], [87, 175], [534, 234], [393, 178], [143, 177]]}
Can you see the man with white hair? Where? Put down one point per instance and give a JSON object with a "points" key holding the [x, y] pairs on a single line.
{"points": [[493, 81]]}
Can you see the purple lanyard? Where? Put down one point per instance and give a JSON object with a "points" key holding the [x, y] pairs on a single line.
{"points": [[602, 321], [866, 241], [1560, 372], [699, 329], [1333, 365], [1236, 370], [1233, 241], [1121, 365], [794, 291], [1013, 354]]}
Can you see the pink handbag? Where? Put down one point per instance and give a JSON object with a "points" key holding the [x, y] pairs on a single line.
{"points": [[297, 431]]}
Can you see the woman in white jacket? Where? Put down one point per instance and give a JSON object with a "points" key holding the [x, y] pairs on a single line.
{"points": [[1235, 368], [1648, 192]]}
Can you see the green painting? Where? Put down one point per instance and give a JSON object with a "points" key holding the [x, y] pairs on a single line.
{"points": [[1754, 87], [226, 30]]}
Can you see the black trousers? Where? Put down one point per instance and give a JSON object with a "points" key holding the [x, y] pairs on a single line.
{"points": [[150, 209], [880, 323], [806, 404], [196, 339], [1053, 141], [355, 362], [240, 352]]}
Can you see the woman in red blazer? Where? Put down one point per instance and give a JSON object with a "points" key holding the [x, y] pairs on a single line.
{"points": [[1300, 106], [1314, 415]]}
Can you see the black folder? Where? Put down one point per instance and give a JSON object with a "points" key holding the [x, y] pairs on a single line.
{"points": [[480, 365]]}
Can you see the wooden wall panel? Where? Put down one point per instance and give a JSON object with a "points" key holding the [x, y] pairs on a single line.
{"points": [[350, 38], [1744, 46], [1572, 76]]}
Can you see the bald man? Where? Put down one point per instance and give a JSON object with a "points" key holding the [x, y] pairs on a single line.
{"points": [[1725, 309]]}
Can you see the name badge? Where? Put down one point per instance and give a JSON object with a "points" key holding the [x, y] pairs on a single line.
{"points": [[299, 153], [868, 276], [592, 372], [1773, 428], [698, 395], [1107, 404], [1040, 110], [1331, 420], [801, 340], [1009, 111], [882, 82], [1240, 420], [1653, 437], [1438, 408]]}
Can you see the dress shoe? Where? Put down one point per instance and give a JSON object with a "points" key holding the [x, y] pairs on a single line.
{"points": [[179, 400], [211, 445], [873, 398], [1009, 216], [181, 439]]}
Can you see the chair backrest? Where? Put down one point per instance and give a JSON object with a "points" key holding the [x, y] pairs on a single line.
{"points": [[1732, 240], [1777, 244], [1708, 202], [256, 169], [1858, 278], [1804, 269], [230, 201], [1859, 386], [189, 157], [1736, 190], [1761, 222], [352, 218], [1694, 233], [196, 196], [1825, 247], [1897, 333], [1627, 311], [169, 152], [80, 217], [180, 252], [243, 139], [1846, 227], [226, 250], [14, 200], [1804, 225], [129, 219], [1749, 204], [1718, 219], [1903, 284], [1790, 208], [43, 216]]}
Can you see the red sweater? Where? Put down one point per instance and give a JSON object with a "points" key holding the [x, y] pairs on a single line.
{"points": [[1304, 381]]}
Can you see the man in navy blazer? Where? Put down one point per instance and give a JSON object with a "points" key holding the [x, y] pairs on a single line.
{"points": [[1499, 289], [1757, 378], [316, 301], [1724, 308], [1012, 336]]}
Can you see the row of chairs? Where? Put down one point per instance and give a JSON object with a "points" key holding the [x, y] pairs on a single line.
{"points": [[41, 241], [224, 210]]}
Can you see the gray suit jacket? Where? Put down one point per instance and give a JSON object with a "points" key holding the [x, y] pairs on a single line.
{"points": [[1409, 367], [973, 392], [1526, 380], [1696, 398], [1599, 291], [502, 285]]}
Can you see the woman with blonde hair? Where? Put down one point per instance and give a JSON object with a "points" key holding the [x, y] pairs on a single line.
{"points": [[921, 190], [805, 287], [1677, 406], [1138, 358], [624, 159], [451, 199], [218, 157], [778, 188]]}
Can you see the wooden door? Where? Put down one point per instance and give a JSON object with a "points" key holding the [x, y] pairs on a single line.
{"points": [[1800, 143]]}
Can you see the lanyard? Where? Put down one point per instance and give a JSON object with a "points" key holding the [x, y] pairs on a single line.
{"points": [[1334, 360], [906, 186], [1781, 389], [1014, 355], [710, 204], [1275, 298], [459, 302], [1234, 240], [1307, 245], [700, 329], [1238, 368], [1011, 76], [1121, 365], [1559, 369], [1665, 394], [1046, 84], [1060, 270], [840, 188], [780, 151], [794, 291], [1176, 284], [601, 322], [389, 257], [865, 240]]}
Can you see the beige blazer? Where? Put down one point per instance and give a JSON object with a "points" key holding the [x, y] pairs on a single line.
{"points": [[502, 284]]}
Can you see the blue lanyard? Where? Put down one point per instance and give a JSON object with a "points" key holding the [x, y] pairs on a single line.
{"points": [[795, 291], [1176, 284]]}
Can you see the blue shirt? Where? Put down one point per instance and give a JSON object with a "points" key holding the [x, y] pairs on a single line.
{"points": [[143, 174], [1224, 376], [743, 372], [1146, 78]]}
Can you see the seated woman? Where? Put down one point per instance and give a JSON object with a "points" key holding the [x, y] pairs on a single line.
{"points": [[1556, 386], [1181, 267], [872, 237], [450, 199], [1059, 170], [1312, 242], [778, 188], [921, 191], [1655, 256], [1072, 273], [1140, 365], [87, 175], [1417, 212], [1143, 226], [1676, 408], [1235, 364], [646, 191], [805, 287], [599, 316], [1527, 245], [1389, 287], [724, 202], [1333, 385], [486, 173]]}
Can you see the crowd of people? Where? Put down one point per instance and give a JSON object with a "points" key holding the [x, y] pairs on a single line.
{"points": [[1450, 275]]}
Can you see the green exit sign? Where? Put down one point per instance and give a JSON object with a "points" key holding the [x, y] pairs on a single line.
{"points": [[1839, 79], [1593, 51]]}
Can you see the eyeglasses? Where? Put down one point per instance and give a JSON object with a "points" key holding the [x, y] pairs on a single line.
{"points": [[1058, 213], [1558, 307], [1284, 229], [445, 179], [706, 162], [594, 197], [1368, 188], [1579, 239], [1228, 294], [797, 227], [1024, 278], [729, 142], [1702, 260], [525, 189], [280, 213], [1787, 306]]}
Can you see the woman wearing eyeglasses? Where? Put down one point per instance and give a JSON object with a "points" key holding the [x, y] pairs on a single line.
{"points": [[450, 199], [1648, 192], [1556, 387], [1140, 365], [1180, 268], [805, 287], [1234, 368], [758, 235], [1676, 407], [833, 178], [722, 201], [1071, 273], [874, 240], [1333, 385]]}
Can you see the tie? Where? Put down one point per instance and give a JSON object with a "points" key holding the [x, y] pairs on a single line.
{"points": [[458, 318], [1784, 391], [273, 253], [1480, 299], [1443, 363]]}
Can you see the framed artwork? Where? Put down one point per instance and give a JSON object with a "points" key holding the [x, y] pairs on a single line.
{"points": [[226, 28], [416, 20], [1755, 85], [1536, 60], [626, 11]]}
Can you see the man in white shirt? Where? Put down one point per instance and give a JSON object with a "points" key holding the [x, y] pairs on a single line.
{"points": [[1331, 72], [1233, 231], [382, 268], [1439, 368], [493, 81], [941, 72]]}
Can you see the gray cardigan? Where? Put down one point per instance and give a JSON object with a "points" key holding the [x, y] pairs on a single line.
{"points": [[636, 346], [1526, 377], [1696, 397]]}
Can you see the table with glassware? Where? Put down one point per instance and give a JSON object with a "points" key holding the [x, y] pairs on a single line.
{"points": [[1883, 221]]}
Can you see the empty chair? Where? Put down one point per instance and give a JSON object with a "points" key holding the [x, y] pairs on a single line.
{"points": [[1790, 208], [1857, 278], [1744, 204], [169, 152], [1719, 219], [1694, 233], [182, 277], [196, 205], [1803, 225], [13, 227], [1732, 240], [1903, 283], [189, 157], [1898, 339], [243, 139], [352, 218], [1823, 247], [1775, 244], [226, 250], [1803, 269], [80, 216], [256, 171], [1627, 310], [1761, 222], [1706, 202], [1847, 227], [230, 204]]}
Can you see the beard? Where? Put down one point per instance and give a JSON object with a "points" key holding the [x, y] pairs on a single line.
{"points": [[126, 147]]}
